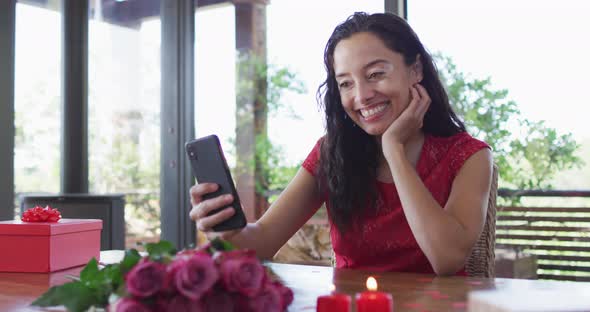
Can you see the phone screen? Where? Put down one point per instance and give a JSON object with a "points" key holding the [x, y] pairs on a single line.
{"points": [[209, 165]]}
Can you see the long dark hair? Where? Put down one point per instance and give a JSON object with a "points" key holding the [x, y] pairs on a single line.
{"points": [[349, 156]]}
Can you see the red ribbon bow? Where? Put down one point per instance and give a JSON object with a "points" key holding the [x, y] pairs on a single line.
{"points": [[40, 214]]}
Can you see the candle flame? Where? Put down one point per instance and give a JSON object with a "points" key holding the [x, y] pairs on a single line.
{"points": [[371, 283]]}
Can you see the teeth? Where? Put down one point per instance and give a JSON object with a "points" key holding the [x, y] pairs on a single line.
{"points": [[372, 111]]}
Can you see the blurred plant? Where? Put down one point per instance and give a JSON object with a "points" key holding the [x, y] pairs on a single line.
{"points": [[119, 166], [266, 89], [528, 153]]}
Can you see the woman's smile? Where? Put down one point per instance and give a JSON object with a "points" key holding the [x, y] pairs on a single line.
{"points": [[374, 81], [374, 112]]}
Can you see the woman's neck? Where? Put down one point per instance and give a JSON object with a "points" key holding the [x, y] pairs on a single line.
{"points": [[412, 148]]}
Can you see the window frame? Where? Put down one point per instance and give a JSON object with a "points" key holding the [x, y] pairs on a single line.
{"points": [[177, 107], [7, 60]]}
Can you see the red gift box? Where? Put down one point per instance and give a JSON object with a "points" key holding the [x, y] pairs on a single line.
{"points": [[48, 246]]}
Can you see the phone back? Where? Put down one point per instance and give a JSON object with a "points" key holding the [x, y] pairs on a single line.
{"points": [[209, 165]]}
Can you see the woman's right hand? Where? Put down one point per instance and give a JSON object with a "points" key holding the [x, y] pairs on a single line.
{"points": [[202, 207]]}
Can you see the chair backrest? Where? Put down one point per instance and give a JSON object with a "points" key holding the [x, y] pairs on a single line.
{"points": [[480, 262]]}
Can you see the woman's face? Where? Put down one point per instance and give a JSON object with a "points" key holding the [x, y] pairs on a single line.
{"points": [[374, 82]]}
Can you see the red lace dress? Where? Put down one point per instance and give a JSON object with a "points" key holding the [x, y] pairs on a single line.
{"points": [[383, 241]]}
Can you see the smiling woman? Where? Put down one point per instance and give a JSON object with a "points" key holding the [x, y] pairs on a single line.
{"points": [[374, 81], [381, 78], [405, 186]]}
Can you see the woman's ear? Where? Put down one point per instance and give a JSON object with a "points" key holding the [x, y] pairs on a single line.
{"points": [[417, 72]]}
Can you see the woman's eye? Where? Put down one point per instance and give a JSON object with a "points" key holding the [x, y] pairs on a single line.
{"points": [[375, 75], [344, 84]]}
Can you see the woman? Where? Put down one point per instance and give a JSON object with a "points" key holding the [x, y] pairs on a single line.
{"points": [[405, 186]]}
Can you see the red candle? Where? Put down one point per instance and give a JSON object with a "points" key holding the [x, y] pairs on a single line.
{"points": [[335, 302], [373, 300]]}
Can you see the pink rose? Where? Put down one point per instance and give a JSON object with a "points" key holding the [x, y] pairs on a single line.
{"points": [[130, 305], [145, 278], [219, 300], [189, 252], [241, 272], [267, 300], [193, 276], [286, 294], [181, 303]]}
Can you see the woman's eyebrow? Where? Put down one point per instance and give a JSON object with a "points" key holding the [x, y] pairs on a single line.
{"points": [[375, 62], [368, 65]]}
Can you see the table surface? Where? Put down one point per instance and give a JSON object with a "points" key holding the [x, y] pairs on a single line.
{"points": [[411, 292]]}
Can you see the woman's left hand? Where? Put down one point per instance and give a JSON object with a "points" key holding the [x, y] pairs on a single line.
{"points": [[409, 121]]}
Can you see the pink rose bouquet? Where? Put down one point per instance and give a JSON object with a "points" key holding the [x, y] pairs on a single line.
{"points": [[215, 277]]}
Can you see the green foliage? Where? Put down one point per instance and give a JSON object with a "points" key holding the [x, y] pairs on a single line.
{"points": [[271, 157], [37, 140], [274, 82], [218, 244], [74, 296], [95, 286], [92, 289], [123, 167], [130, 260], [160, 251], [528, 153]]}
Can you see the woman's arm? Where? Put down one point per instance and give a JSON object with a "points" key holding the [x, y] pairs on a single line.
{"points": [[447, 235], [296, 204]]}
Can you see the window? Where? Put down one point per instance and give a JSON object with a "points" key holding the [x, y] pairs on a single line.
{"points": [[537, 50], [215, 73], [299, 47], [124, 110], [215, 76], [37, 98]]}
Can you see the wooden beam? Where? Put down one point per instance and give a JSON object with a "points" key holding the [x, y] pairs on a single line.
{"points": [[251, 106]]}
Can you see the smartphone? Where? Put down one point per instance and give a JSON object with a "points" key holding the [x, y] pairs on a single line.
{"points": [[209, 166]]}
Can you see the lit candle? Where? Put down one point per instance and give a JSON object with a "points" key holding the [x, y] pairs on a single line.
{"points": [[334, 302], [373, 300]]}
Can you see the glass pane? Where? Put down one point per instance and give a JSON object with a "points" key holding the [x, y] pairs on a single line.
{"points": [[37, 98], [124, 110], [215, 79], [215, 76], [285, 30], [298, 122], [291, 108], [298, 109], [535, 50]]}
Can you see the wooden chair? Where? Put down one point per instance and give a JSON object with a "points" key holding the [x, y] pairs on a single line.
{"points": [[480, 262]]}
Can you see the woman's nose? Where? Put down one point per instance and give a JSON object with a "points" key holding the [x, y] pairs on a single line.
{"points": [[364, 93]]}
